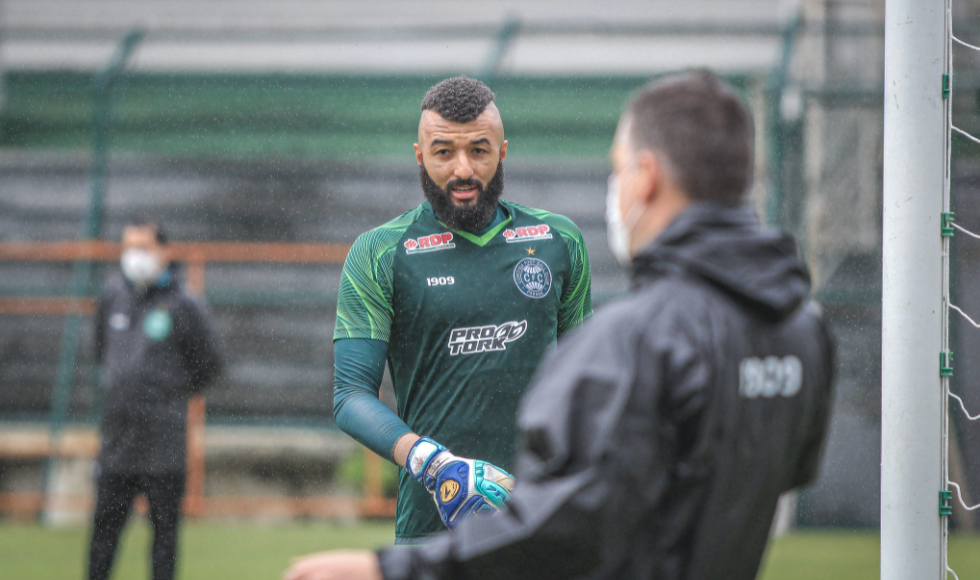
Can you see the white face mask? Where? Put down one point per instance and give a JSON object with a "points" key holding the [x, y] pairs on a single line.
{"points": [[617, 232], [141, 267]]}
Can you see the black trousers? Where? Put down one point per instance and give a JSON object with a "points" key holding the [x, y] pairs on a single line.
{"points": [[112, 506]]}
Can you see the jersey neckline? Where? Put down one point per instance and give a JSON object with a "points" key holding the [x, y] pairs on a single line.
{"points": [[473, 238]]}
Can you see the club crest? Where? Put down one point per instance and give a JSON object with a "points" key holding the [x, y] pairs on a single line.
{"points": [[533, 278], [157, 324]]}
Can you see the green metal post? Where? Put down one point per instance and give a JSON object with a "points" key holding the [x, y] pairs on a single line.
{"points": [[81, 281], [3, 88], [491, 64], [776, 86]]}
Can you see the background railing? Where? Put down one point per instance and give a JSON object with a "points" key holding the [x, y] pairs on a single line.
{"points": [[195, 257]]}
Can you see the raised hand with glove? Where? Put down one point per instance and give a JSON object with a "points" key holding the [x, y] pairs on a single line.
{"points": [[459, 486]]}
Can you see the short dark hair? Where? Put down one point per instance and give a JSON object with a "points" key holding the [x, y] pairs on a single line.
{"points": [[146, 221], [698, 123], [459, 99]]}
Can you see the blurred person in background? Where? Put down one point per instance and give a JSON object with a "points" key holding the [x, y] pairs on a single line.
{"points": [[656, 441], [462, 296], [156, 348]]}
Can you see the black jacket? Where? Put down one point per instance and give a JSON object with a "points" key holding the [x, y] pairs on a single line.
{"points": [[657, 439], [156, 348]]}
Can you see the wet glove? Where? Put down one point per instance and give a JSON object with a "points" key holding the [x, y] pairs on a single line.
{"points": [[458, 485]]}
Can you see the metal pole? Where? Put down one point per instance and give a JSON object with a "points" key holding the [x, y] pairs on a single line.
{"points": [[913, 401], [81, 282], [505, 36], [775, 90]]}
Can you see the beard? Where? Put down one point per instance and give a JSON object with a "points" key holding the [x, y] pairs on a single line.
{"points": [[471, 216]]}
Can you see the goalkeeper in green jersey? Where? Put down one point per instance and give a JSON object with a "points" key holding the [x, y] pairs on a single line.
{"points": [[462, 296]]}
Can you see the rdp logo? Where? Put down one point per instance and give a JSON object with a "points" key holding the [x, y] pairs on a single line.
{"points": [[528, 234], [433, 243]]}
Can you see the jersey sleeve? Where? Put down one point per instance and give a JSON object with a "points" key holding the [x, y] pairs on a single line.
{"points": [[359, 366], [576, 297], [364, 302]]}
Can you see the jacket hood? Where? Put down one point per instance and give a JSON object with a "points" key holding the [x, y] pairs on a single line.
{"points": [[725, 245]]}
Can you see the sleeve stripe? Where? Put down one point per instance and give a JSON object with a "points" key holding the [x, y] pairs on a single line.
{"points": [[364, 302]]}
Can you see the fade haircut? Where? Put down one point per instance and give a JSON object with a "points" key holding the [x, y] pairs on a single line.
{"points": [[459, 99], [697, 122]]}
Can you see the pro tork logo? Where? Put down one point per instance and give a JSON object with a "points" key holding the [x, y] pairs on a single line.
{"points": [[488, 338]]}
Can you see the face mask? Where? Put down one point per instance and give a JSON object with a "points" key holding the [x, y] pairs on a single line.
{"points": [[141, 267], [618, 233]]}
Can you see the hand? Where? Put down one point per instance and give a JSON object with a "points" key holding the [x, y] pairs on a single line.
{"points": [[459, 486], [335, 565]]}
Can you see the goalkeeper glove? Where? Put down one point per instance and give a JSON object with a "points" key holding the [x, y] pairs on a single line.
{"points": [[458, 485]]}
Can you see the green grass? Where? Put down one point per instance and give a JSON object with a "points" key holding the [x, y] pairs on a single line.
{"points": [[208, 551], [851, 555], [244, 551], [821, 555]]}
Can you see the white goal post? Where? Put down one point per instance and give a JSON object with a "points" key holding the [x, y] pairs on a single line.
{"points": [[914, 285]]}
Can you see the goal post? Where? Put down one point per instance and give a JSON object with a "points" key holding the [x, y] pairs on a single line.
{"points": [[914, 283]]}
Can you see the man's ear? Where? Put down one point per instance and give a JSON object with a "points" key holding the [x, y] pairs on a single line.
{"points": [[418, 153], [650, 176], [503, 150]]}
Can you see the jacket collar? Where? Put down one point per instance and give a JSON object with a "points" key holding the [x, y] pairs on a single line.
{"points": [[724, 245]]}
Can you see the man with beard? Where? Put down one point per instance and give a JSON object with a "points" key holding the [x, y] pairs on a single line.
{"points": [[656, 441], [462, 296]]}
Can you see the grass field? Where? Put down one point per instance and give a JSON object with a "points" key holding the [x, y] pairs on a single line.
{"points": [[214, 551]]}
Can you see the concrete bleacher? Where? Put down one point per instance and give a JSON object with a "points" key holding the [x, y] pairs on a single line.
{"points": [[377, 36]]}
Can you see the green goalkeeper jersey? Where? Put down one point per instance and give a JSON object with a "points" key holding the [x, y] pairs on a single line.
{"points": [[467, 318]]}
